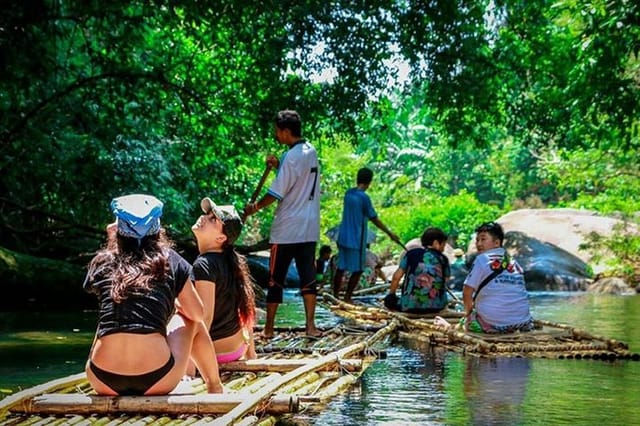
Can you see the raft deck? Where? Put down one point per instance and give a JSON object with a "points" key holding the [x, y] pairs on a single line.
{"points": [[293, 372], [548, 340]]}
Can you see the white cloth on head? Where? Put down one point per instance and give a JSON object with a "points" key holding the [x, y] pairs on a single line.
{"points": [[138, 215]]}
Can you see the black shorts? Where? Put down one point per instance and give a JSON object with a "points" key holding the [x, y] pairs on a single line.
{"points": [[281, 256]]}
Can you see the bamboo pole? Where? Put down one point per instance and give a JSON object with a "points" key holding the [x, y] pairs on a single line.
{"points": [[269, 421], [282, 365], [253, 387], [370, 290], [248, 421], [165, 404], [582, 334], [451, 332], [7, 403], [384, 314], [336, 387], [304, 380], [306, 393], [346, 306]]}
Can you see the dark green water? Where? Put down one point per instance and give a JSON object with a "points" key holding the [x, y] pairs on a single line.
{"points": [[412, 385]]}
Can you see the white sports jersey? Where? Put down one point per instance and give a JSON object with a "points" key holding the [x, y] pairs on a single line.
{"points": [[297, 188], [504, 300]]}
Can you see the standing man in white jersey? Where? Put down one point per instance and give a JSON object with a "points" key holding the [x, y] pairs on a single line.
{"points": [[296, 226]]}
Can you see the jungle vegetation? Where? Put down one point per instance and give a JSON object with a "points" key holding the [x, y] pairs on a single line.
{"points": [[464, 109]]}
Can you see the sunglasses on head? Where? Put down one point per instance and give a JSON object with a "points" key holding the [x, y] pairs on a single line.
{"points": [[488, 226]]}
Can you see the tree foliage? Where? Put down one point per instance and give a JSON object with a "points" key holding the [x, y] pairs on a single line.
{"points": [[493, 103]]}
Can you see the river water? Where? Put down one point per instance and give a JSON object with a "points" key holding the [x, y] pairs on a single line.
{"points": [[413, 385]]}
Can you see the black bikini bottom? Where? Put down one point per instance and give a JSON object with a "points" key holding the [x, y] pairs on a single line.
{"points": [[131, 385]]}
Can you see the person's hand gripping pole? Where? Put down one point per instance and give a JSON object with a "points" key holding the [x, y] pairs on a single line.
{"points": [[246, 212]]}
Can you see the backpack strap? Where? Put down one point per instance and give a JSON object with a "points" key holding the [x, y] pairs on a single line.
{"points": [[503, 266], [484, 282], [413, 258], [444, 264]]}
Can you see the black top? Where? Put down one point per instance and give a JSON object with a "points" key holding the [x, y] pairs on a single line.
{"points": [[144, 313], [226, 319]]}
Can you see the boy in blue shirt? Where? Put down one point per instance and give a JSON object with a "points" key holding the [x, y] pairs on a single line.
{"points": [[352, 236]]}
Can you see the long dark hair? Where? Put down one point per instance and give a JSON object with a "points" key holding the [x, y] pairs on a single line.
{"points": [[132, 264], [244, 290]]}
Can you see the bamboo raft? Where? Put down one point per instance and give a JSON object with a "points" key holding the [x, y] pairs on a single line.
{"points": [[548, 340], [293, 373]]}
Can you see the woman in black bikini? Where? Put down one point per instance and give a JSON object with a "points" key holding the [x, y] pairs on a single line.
{"points": [[142, 346]]}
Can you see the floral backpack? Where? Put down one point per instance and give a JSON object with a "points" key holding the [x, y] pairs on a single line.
{"points": [[424, 287]]}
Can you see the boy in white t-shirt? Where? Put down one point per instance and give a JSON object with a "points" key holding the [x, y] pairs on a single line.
{"points": [[494, 294]]}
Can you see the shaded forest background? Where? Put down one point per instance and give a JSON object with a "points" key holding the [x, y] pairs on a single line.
{"points": [[464, 109]]}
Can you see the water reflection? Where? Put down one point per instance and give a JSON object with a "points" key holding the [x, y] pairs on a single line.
{"points": [[407, 387], [495, 389]]}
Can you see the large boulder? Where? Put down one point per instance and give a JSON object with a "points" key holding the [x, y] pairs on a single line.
{"points": [[567, 229], [546, 266], [611, 285]]}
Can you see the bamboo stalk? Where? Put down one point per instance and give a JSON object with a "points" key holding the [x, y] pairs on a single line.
{"points": [[165, 404], [7, 403], [248, 421], [373, 289], [373, 312], [269, 421], [450, 332], [240, 382], [256, 385], [282, 365], [336, 387], [299, 383], [582, 334], [305, 393]]}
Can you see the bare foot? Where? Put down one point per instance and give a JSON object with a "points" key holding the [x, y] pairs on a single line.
{"points": [[441, 322], [215, 387], [266, 334], [314, 332]]}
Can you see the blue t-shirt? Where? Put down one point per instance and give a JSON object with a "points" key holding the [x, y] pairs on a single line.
{"points": [[356, 212]]}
